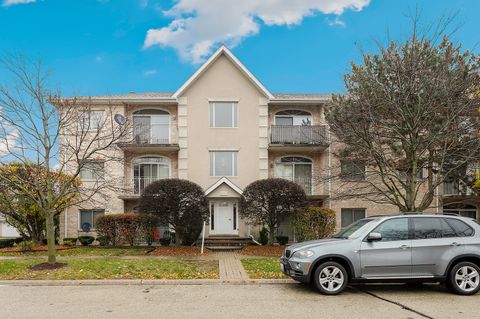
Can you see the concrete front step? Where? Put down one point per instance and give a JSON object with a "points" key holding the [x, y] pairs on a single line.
{"points": [[226, 241]]}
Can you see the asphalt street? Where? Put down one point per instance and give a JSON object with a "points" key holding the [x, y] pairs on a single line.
{"points": [[233, 301]]}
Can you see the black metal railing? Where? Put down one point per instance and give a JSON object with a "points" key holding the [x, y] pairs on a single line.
{"points": [[299, 134]]}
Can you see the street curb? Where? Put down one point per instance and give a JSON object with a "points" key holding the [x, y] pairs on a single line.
{"points": [[140, 282]]}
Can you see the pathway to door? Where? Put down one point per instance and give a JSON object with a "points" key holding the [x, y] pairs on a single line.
{"points": [[230, 266]]}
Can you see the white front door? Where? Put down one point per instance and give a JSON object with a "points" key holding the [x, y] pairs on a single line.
{"points": [[223, 217]]}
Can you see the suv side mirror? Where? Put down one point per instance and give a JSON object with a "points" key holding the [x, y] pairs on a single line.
{"points": [[374, 237]]}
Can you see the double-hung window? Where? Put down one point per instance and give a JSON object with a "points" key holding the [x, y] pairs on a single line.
{"points": [[351, 215], [88, 218], [223, 114], [353, 170], [92, 170], [93, 120], [223, 163]]}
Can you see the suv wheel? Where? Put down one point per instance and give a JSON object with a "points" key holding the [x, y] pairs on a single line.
{"points": [[464, 278], [330, 278]]}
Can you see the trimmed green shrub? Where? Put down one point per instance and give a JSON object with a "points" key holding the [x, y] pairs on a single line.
{"points": [[70, 241], [263, 236], [86, 240], [314, 223], [282, 240], [9, 242]]}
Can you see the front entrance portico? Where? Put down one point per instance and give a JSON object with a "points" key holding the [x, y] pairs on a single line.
{"points": [[224, 198]]}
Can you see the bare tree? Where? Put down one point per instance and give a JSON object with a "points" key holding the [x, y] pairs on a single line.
{"points": [[410, 118], [64, 136]]}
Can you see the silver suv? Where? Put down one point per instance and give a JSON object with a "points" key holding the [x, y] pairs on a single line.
{"points": [[401, 248]]}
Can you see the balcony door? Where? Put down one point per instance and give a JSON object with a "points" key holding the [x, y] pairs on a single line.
{"points": [[147, 170], [151, 127], [296, 169], [293, 118]]}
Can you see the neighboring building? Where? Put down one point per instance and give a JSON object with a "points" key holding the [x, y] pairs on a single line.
{"points": [[459, 198], [7, 231], [222, 129]]}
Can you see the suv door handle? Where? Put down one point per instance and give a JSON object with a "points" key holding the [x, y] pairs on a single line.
{"points": [[455, 244], [404, 247]]}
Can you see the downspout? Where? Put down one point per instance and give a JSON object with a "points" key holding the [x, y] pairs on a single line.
{"points": [[329, 170], [65, 235], [203, 238], [436, 199]]}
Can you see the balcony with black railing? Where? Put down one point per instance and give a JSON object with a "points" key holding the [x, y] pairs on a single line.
{"points": [[299, 135], [150, 137], [304, 181], [133, 187]]}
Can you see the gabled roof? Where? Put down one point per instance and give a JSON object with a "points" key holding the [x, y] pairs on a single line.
{"points": [[225, 51], [226, 181]]}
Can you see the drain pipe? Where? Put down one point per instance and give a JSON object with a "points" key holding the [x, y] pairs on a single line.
{"points": [[203, 238], [252, 238]]}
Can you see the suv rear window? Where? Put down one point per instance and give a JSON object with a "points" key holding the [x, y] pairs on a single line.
{"points": [[432, 227], [460, 227]]}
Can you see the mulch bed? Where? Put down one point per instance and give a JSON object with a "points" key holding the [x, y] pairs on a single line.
{"points": [[47, 266], [267, 250], [34, 248], [186, 251]]}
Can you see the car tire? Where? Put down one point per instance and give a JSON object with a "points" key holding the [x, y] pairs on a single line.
{"points": [[330, 278], [464, 278]]}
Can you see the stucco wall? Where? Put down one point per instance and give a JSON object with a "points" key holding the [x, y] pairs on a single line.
{"points": [[222, 81]]}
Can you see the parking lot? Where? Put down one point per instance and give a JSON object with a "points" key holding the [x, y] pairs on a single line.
{"points": [[234, 301]]}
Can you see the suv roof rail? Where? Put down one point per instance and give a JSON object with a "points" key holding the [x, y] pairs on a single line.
{"points": [[451, 214]]}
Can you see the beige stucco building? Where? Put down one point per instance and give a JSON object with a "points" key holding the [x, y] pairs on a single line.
{"points": [[222, 129]]}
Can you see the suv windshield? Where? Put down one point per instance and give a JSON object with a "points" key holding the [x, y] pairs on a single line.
{"points": [[350, 230]]}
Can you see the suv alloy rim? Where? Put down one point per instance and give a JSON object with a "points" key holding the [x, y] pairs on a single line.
{"points": [[331, 278], [467, 278]]}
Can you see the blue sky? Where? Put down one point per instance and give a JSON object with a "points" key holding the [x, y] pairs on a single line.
{"points": [[104, 47]]}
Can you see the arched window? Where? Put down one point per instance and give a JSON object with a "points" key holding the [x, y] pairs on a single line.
{"points": [[293, 117], [149, 169], [296, 169], [151, 126]]}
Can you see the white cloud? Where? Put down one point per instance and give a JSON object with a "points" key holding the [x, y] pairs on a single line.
{"points": [[336, 22], [150, 72], [200, 25], [8, 143], [7, 3]]}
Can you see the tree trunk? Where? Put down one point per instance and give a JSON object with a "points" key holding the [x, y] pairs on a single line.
{"points": [[52, 251], [271, 235], [178, 238]]}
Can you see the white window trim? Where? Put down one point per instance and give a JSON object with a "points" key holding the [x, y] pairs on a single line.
{"points": [[211, 108], [312, 168], [294, 117], [91, 210], [90, 127], [93, 179], [233, 162], [167, 163], [150, 116]]}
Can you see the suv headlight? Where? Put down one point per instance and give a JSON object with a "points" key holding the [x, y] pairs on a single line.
{"points": [[302, 254]]}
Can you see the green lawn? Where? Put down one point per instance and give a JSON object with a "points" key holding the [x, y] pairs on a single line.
{"points": [[263, 268], [88, 251], [112, 268]]}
